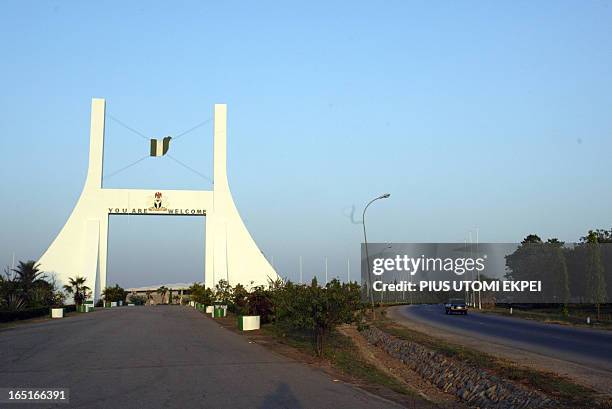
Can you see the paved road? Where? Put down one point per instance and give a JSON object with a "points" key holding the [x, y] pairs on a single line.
{"points": [[163, 357], [579, 345]]}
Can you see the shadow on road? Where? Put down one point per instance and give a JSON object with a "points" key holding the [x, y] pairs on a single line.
{"points": [[282, 397]]}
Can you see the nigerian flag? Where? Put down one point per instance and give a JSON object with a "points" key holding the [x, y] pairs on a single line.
{"points": [[160, 147]]}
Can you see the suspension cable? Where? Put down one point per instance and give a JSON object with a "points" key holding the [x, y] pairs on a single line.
{"points": [[192, 129], [129, 128], [203, 176], [110, 175]]}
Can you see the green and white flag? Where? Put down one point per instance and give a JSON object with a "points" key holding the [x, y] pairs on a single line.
{"points": [[160, 147]]}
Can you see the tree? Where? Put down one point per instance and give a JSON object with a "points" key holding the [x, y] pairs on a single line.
{"points": [[114, 294], [162, 291], [201, 294], [137, 299], [170, 296], [544, 262], [10, 293], [149, 296], [595, 284], [43, 294], [77, 288], [239, 300], [259, 302], [557, 285], [532, 238], [316, 309], [28, 276], [526, 264], [604, 238], [223, 292]]}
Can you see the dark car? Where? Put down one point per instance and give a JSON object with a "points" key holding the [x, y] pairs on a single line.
{"points": [[456, 305]]}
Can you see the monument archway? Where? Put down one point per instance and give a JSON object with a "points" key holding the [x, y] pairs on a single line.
{"points": [[81, 246]]}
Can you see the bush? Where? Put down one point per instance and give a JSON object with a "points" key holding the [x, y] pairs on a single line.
{"points": [[137, 299], [223, 292], [27, 287], [69, 308], [8, 316], [316, 309], [259, 302], [308, 309], [201, 294], [239, 300], [114, 294]]}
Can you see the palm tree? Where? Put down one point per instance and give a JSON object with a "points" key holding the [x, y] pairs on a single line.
{"points": [[162, 291], [28, 275], [149, 297], [10, 294], [78, 288]]}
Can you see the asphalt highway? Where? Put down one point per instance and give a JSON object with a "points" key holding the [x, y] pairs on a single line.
{"points": [[162, 357], [583, 346]]}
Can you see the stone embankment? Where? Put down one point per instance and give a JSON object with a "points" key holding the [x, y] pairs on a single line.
{"points": [[475, 386]]}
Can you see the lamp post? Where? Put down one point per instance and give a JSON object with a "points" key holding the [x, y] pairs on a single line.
{"points": [[348, 270], [301, 281], [365, 240], [381, 254], [325, 270], [478, 272]]}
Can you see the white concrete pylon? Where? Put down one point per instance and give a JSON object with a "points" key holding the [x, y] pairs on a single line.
{"points": [[80, 249]]}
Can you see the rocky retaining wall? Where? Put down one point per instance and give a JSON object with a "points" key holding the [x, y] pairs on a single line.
{"points": [[473, 385]]}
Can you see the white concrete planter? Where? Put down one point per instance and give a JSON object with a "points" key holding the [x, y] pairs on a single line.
{"points": [[113, 304], [89, 308], [131, 305], [210, 309], [57, 313], [120, 303], [248, 322]]}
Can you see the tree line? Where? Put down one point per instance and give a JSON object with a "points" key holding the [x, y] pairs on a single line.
{"points": [[580, 273], [311, 309]]}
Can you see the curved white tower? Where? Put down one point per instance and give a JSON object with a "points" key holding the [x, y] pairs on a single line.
{"points": [[81, 246]]}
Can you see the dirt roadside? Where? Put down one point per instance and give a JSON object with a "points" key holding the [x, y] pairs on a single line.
{"points": [[401, 372], [415, 400], [599, 380]]}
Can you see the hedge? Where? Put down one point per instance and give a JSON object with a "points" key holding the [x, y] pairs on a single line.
{"points": [[8, 316]]}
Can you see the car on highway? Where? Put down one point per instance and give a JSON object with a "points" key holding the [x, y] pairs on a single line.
{"points": [[456, 305]]}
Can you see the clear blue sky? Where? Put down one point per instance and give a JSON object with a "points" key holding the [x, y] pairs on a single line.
{"points": [[495, 115]]}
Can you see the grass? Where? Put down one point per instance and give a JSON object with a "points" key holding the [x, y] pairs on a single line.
{"points": [[565, 391], [339, 351]]}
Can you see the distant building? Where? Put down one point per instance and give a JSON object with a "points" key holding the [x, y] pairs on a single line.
{"points": [[180, 291]]}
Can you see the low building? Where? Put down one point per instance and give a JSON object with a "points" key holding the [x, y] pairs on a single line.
{"points": [[175, 293]]}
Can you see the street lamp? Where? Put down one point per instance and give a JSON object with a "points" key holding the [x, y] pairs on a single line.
{"points": [[365, 240], [380, 255]]}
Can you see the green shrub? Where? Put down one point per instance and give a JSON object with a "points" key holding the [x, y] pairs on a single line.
{"points": [[239, 304], [8, 316], [201, 294], [137, 299], [114, 294], [316, 309], [259, 302]]}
